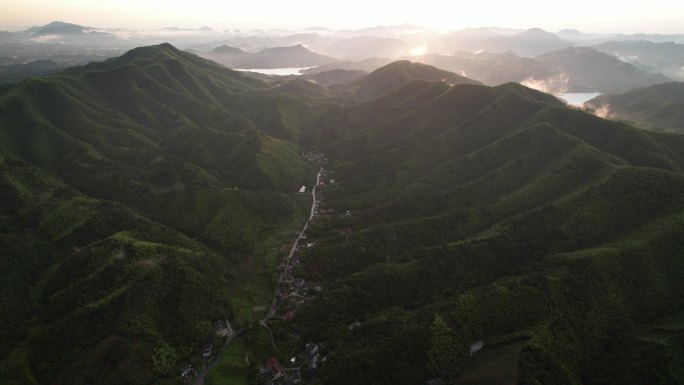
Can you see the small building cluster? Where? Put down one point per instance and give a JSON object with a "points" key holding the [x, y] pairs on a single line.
{"points": [[303, 365], [205, 353], [315, 157]]}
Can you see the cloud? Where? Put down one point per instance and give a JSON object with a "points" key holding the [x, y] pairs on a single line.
{"points": [[556, 84], [603, 111], [45, 38]]}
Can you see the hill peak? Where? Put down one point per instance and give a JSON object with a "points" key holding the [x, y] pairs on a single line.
{"points": [[398, 73], [225, 49], [149, 51], [538, 33], [56, 27]]}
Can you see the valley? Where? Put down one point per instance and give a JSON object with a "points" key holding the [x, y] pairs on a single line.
{"points": [[166, 219]]}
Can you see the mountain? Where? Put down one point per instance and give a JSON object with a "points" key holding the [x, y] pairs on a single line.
{"points": [[581, 38], [666, 57], [471, 234], [466, 216], [572, 69], [394, 75], [490, 68], [657, 107], [469, 39], [15, 72], [224, 54], [278, 57], [367, 65], [531, 42], [336, 76], [363, 47], [57, 28], [136, 193], [226, 50], [68, 33], [587, 70], [658, 38]]}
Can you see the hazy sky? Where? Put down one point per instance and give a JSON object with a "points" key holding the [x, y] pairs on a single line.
{"points": [[655, 16]]}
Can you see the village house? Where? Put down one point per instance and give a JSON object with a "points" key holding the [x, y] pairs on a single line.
{"points": [[221, 328], [274, 366], [475, 347], [187, 371], [206, 351], [311, 350]]}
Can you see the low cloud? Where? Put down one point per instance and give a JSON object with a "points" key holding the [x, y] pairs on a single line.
{"points": [[45, 38], [556, 84], [603, 111]]}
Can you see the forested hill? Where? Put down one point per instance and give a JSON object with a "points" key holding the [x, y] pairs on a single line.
{"points": [[547, 232], [146, 196], [658, 107], [130, 189], [396, 74]]}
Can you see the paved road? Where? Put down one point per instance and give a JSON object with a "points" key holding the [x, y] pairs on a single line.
{"points": [[199, 380], [272, 310]]}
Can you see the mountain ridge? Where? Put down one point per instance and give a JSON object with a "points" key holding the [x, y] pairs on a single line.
{"points": [[146, 197]]}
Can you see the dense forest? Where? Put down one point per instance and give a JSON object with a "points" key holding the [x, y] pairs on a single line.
{"points": [[147, 196]]}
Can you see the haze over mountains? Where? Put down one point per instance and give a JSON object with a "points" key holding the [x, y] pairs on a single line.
{"points": [[466, 226], [507, 52]]}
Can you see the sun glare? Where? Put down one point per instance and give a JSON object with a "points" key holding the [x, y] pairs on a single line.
{"points": [[416, 51]]}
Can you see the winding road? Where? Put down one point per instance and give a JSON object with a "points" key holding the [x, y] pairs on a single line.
{"points": [[272, 310]]}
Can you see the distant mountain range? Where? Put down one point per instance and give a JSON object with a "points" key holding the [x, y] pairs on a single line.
{"points": [[363, 47], [572, 69], [666, 57], [583, 69], [279, 57], [531, 42], [490, 68], [58, 28], [475, 51]]}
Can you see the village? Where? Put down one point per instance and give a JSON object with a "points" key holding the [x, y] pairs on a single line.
{"points": [[294, 292], [291, 293]]}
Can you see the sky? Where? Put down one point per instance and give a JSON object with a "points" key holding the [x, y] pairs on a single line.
{"points": [[628, 16]]}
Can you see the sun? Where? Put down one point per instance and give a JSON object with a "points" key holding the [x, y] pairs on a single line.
{"points": [[416, 51]]}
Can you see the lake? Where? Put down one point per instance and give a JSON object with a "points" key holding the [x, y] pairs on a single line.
{"points": [[578, 98], [275, 71]]}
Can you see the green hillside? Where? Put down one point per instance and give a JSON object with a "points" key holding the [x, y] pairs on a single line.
{"points": [[547, 232], [149, 195], [394, 75], [132, 189], [658, 107]]}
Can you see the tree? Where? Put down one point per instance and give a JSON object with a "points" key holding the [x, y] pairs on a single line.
{"points": [[164, 359], [443, 346]]}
